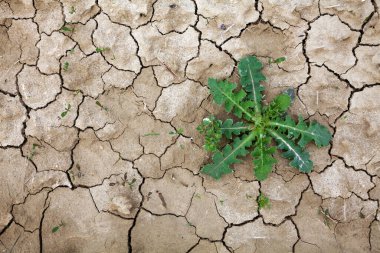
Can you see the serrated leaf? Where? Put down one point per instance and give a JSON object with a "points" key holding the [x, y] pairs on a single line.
{"points": [[278, 106], [222, 160], [299, 159], [229, 128], [263, 157], [312, 132], [211, 129], [223, 94], [250, 78]]}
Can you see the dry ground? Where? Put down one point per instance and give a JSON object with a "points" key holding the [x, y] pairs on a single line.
{"points": [[85, 143]]}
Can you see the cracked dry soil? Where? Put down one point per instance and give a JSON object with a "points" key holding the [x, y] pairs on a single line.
{"points": [[91, 92]]}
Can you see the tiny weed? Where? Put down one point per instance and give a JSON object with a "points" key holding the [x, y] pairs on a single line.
{"points": [[72, 10], [263, 201], [34, 151], [66, 66], [326, 216], [276, 61], [67, 109], [221, 201], [102, 49], [57, 228], [101, 106], [179, 132], [197, 195], [131, 183], [151, 134], [66, 29]]}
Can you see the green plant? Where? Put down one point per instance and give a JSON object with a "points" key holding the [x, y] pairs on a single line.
{"points": [[102, 49], [57, 228], [101, 106], [263, 201], [67, 109], [277, 60], [72, 10], [177, 132], [151, 134], [66, 66], [34, 150], [65, 28], [261, 123]]}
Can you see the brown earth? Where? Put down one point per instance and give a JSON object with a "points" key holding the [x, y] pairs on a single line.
{"points": [[87, 161]]}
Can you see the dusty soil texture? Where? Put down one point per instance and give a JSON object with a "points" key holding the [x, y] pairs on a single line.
{"points": [[99, 101]]}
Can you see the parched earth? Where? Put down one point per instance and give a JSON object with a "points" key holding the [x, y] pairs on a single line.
{"points": [[93, 92]]}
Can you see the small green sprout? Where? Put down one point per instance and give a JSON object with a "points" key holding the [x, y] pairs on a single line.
{"points": [[66, 66], [326, 216], [72, 10], [102, 49], [276, 61], [34, 150], [151, 134], [67, 109], [101, 106], [66, 29], [221, 201], [57, 228], [263, 201], [179, 132], [131, 183]]}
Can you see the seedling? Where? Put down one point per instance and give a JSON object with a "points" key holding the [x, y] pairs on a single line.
{"points": [[179, 132], [34, 150], [66, 29], [326, 216], [72, 10], [57, 228], [277, 61], [102, 49], [131, 183], [101, 106], [263, 201], [66, 66], [151, 134], [67, 109], [259, 125]]}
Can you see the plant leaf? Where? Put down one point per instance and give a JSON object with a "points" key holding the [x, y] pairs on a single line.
{"points": [[63, 114], [278, 106], [223, 159], [312, 132], [211, 129], [299, 158], [263, 159], [250, 78], [229, 128], [222, 92], [55, 229]]}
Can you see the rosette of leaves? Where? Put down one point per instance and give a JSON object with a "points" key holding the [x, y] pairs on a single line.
{"points": [[260, 127]]}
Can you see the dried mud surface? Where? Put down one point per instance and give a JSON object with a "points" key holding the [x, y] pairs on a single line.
{"points": [[93, 92]]}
